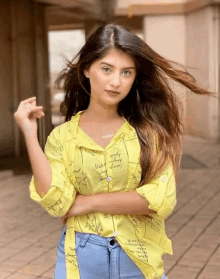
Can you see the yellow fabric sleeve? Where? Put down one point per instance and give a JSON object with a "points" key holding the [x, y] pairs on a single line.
{"points": [[62, 193], [161, 193]]}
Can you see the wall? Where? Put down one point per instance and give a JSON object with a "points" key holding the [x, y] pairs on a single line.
{"points": [[166, 35], [202, 50]]}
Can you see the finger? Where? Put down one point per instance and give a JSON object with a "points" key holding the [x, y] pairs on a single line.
{"points": [[33, 102], [40, 114], [31, 111], [36, 109], [34, 112], [28, 100]]}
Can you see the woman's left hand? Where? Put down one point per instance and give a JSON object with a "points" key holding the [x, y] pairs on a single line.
{"points": [[81, 206]]}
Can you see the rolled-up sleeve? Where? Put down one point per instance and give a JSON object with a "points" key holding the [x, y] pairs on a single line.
{"points": [[61, 193], [161, 193]]}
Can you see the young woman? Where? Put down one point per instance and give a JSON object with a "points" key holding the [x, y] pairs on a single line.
{"points": [[110, 169]]}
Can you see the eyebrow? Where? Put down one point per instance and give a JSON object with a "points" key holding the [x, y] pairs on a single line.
{"points": [[113, 66]]}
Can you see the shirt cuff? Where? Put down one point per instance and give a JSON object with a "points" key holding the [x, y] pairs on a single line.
{"points": [[49, 199]]}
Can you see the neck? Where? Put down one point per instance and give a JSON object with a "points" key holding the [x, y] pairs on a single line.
{"points": [[101, 115]]}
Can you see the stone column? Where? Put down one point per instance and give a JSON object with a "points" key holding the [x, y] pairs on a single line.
{"points": [[202, 53], [24, 72]]}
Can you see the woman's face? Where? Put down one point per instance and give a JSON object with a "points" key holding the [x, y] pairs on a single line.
{"points": [[114, 72]]}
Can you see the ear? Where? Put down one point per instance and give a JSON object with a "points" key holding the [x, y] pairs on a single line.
{"points": [[86, 73]]}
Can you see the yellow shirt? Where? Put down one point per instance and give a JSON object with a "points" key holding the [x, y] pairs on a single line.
{"points": [[80, 165]]}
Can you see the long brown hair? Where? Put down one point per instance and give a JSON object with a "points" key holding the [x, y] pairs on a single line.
{"points": [[151, 106]]}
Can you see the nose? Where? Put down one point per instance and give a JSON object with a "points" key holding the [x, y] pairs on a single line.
{"points": [[116, 80]]}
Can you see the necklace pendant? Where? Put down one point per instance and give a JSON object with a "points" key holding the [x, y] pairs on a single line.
{"points": [[107, 136]]}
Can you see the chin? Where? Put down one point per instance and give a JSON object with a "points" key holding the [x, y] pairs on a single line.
{"points": [[109, 100]]}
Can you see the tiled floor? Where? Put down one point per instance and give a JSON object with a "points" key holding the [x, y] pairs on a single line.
{"points": [[29, 252]]}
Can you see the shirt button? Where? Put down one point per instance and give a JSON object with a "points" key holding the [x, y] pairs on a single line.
{"points": [[163, 178], [108, 178], [114, 233]]}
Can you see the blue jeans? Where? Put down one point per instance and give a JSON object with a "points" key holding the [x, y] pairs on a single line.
{"points": [[98, 257]]}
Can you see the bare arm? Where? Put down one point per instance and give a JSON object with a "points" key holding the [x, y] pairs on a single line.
{"points": [[120, 203], [40, 167], [26, 118]]}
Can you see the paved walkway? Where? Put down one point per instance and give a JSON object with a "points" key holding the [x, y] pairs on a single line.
{"points": [[29, 252]]}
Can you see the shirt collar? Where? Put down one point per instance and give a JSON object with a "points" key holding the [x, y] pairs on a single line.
{"points": [[126, 130]]}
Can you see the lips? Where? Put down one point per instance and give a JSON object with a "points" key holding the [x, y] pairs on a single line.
{"points": [[112, 92]]}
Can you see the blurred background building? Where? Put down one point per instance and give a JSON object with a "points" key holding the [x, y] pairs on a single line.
{"points": [[37, 36]]}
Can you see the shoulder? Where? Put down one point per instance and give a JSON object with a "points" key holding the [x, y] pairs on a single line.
{"points": [[60, 131]]}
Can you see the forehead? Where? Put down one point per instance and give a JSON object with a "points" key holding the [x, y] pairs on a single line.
{"points": [[117, 57]]}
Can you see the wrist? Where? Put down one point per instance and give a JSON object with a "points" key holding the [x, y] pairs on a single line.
{"points": [[92, 203], [30, 137]]}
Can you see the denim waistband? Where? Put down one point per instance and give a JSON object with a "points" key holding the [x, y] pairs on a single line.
{"points": [[97, 239]]}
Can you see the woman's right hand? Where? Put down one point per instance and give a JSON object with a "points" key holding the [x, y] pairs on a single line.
{"points": [[26, 116]]}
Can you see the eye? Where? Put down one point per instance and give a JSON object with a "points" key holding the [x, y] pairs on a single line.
{"points": [[128, 73], [105, 69]]}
